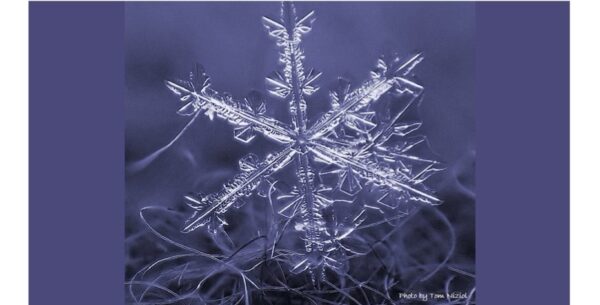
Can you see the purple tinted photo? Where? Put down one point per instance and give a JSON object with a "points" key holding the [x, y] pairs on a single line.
{"points": [[309, 153]]}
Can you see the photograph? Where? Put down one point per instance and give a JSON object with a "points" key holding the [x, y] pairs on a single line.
{"points": [[299, 153]]}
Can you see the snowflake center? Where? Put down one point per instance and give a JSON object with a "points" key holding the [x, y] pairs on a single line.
{"points": [[301, 143]]}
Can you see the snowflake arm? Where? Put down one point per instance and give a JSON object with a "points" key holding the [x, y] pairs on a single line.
{"points": [[197, 95], [370, 171], [306, 203], [212, 207], [347, 106], [293, 84], [312, 203]]}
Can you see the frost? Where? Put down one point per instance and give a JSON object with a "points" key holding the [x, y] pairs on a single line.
{"points": [[362, 145]]}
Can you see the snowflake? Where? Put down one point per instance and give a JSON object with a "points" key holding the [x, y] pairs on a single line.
{"points": [[360, 145]]}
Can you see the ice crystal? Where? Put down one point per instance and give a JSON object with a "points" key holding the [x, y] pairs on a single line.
{"points": [[361, 145]]}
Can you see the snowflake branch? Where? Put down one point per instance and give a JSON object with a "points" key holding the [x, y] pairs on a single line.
{"points": [[311, 205], [198, 96], [294, 83], [370, 171], [240, 186], [385, 77]]}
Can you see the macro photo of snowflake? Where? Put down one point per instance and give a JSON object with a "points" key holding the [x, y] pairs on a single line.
{"points": [[321, 190]]}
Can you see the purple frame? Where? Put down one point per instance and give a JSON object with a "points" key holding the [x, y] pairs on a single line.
{"points": [[522, 126], [77, 153]]}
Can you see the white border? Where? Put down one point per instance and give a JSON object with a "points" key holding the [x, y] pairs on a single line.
{"points": [[14, 152], [585, 151]]}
